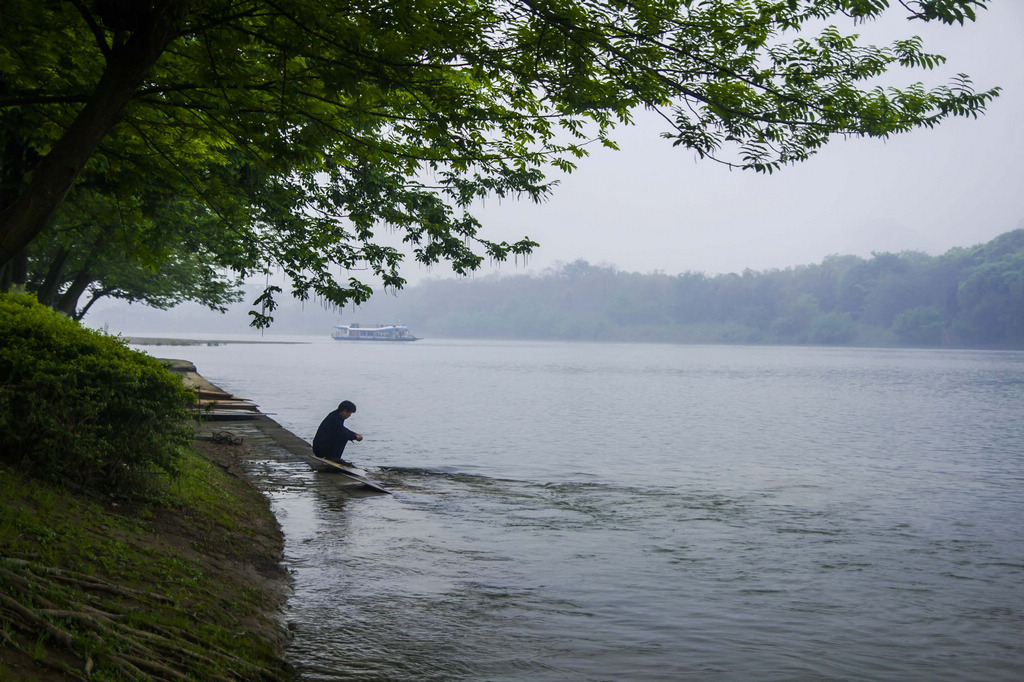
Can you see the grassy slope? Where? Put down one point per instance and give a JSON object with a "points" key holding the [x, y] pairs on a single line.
{"points": [[186, 586]]}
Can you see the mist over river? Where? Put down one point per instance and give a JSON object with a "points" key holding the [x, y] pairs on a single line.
{"points": [[569, 511]]}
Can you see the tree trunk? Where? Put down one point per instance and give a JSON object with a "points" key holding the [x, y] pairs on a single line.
{"points": [[56, 173], [97, 295], [51, 284], [68, 303], [14, 273]]}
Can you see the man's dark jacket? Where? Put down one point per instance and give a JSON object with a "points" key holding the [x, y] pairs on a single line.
{"points": [[332, 437]]}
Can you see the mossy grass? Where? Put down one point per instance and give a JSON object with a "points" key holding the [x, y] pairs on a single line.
{"points": [[99, 589]]}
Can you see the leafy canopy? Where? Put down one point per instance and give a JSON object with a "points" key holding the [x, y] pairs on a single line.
{"points": [[307, 126], [131, 241]]}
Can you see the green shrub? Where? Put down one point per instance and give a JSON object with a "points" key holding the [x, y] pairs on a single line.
{"points": [[79, 407]]}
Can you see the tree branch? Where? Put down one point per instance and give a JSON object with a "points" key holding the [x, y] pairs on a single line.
{"points": [[97, 30]]}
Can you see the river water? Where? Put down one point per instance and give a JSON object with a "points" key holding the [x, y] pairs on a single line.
{"points": [[567, 511]]}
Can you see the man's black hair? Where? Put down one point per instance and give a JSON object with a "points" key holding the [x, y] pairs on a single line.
{"points": [[347, 406]]}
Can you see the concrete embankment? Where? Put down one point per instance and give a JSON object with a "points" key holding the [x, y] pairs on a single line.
{"points": [[220, 412]]}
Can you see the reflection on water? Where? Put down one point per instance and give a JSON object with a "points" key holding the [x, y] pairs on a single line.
{"points": [[616, 512]]}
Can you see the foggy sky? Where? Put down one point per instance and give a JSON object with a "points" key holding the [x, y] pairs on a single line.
{"points": [[653, 207]]}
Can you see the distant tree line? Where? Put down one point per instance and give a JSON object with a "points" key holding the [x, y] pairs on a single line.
{"points": [[967, 297]]}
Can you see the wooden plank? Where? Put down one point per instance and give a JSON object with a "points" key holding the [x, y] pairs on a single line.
{"points": [[351, 473], [228, 405], [226, 415]]}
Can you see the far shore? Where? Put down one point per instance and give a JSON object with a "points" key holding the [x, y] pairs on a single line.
{"points": [[167, 341]]}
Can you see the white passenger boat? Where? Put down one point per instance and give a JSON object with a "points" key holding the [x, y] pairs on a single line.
{"points": [[353, 332]]}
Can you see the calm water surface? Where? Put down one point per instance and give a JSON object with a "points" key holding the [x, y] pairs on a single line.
{"points": [[650, 512]]}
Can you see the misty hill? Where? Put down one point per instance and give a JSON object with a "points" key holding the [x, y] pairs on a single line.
{"points": [[966, 297]]}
